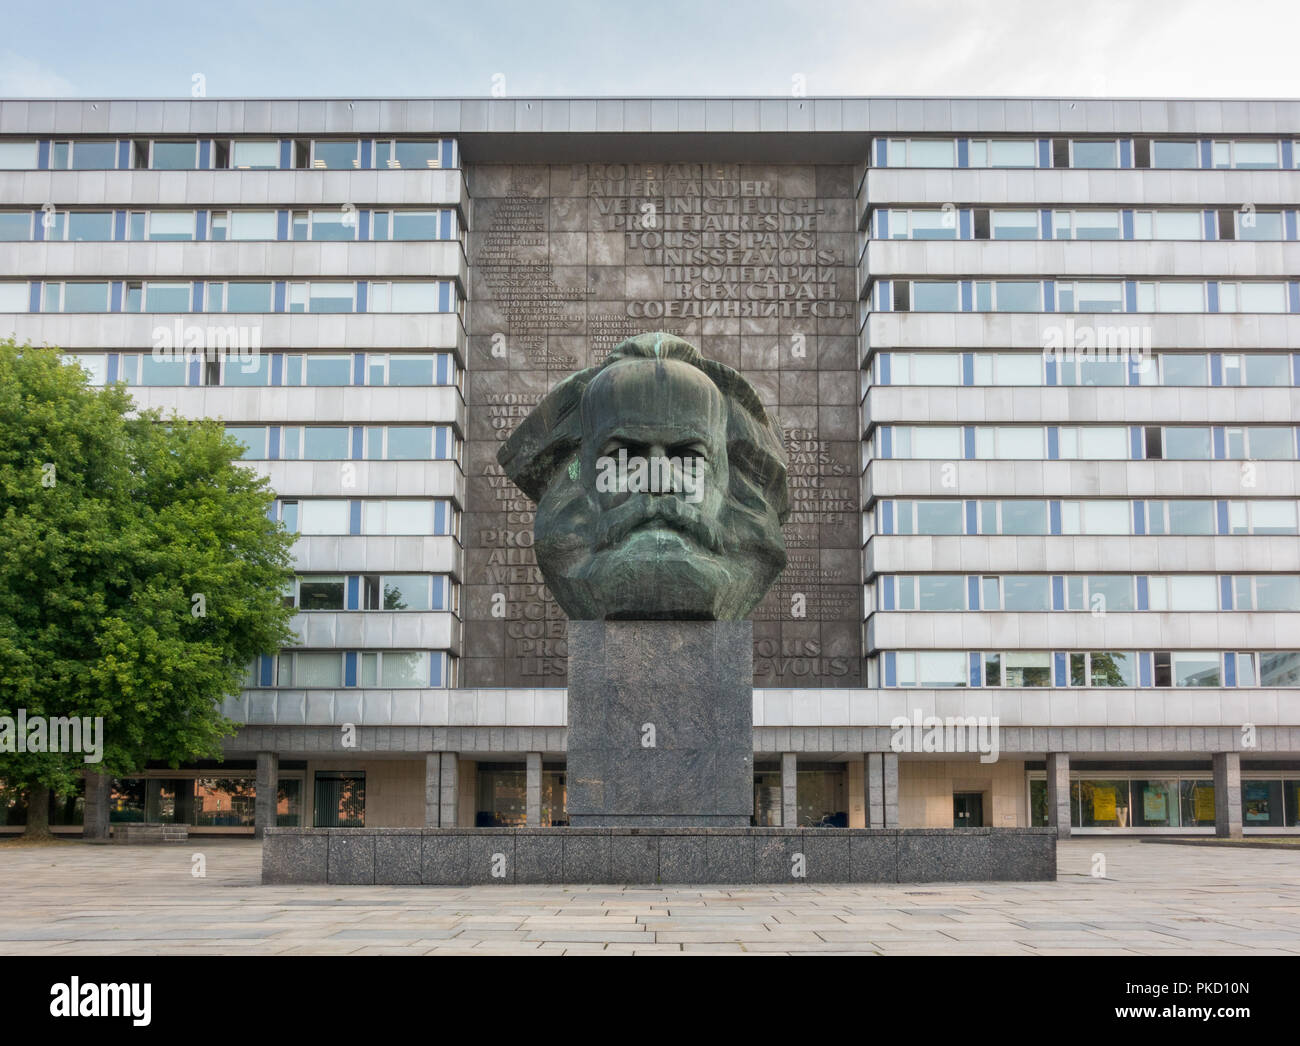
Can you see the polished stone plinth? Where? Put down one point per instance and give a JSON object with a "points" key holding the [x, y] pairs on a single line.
{"points": [[471, 856], [661, 724]]}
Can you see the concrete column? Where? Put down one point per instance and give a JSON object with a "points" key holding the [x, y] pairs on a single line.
{"points": [[268, 788], [449, 791], [882, 789], [95, 809], [789, 790], [1058, 793], [432, 788], [857, 793], [1227, 795], [533, 790]]}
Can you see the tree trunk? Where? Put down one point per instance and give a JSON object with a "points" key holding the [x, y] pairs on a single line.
{"points": [[38, 812]]}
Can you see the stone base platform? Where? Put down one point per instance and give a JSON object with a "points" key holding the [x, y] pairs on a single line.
{"points": [[487, 856]]}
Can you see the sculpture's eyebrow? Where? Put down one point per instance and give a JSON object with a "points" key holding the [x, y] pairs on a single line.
{"points": [[672, 434]]}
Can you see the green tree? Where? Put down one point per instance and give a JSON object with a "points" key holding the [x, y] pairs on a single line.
{"points": [[139, 573]]}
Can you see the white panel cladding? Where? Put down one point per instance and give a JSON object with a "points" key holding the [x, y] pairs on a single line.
{"points": [[278, 332], [378, 629], [1069, 479], [1080, 630], [1031, 330], [1096, 259], [1060, 554], [408, 707], [353, 554], [244, 260], [982, 187], [364, 479], [1076, 405], [282, 405], [796, 708], [449, 116], [219, 189]]}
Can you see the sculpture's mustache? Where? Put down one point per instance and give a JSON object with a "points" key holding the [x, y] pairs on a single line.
{"points": [[617, 523]]}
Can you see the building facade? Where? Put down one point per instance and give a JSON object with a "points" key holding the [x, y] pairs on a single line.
{"points": [[1037, 362]]}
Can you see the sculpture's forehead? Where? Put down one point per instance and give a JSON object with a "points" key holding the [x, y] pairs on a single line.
{"points": [[652, 393]]}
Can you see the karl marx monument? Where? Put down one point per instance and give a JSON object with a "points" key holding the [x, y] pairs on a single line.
{"points": [[660, 483]]}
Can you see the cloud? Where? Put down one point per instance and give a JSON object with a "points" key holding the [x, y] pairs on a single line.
{"points": [[21, 77]]}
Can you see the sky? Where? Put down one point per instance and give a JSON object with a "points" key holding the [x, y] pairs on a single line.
{"points": [[514, 48]]}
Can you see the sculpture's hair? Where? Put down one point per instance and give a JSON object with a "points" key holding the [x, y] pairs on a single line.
{"points": [[550, 437]]}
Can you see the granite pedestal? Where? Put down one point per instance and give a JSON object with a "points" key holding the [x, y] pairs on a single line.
{"points": [[648, 856], [661, 724]]}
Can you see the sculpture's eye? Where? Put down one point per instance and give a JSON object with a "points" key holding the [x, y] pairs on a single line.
{"points": [[693, 449]]}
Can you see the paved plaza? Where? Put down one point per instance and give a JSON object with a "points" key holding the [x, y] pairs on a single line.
{"points": [[71, 898]]}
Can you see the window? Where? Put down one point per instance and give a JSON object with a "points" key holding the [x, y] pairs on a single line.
{"points": [[336, 156], [321, 593], [321, 516], [76, 297], [1008, 296], [157, 297], [925, 368], [1180, 517], [399, 592], [318, 370], [928, 296], [410, 155], [1175, 155], [1168, 225], [929, 441], [408, 296], [1088, 225], [253, 437], [1259, 225], [1090, 296], [1094, 154], [1007, 368], [931, 668], [1018, 517], [239, 297], [1273, 592], [14, 297], [15, 226], [1184, 369], [1252, 297], [1171, 297], [922, 152], [325, 225], [928, 517], [1257, 369], [1014, 225], [1187, 443], [1103, 668], [82, 225], [1028, 668], [175, 156], [18, 156], [1009, 442], [1026, 593], [932, 592], [1099, 592], [416, 225], [925, 225], [255, 155], [162, 225], [322, 297], [1183, 592], [1004, 152], [406, 517], [1279, 668], [83, 156], [1100, 442], [1096, 517], [95, 366], [249, 225], [1261, 517], [1246, 155]]}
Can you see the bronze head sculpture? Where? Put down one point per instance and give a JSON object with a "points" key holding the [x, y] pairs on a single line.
{"points": [[660, 483]]}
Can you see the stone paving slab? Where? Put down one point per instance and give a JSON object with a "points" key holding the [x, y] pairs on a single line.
{"points": [[73, 899]]}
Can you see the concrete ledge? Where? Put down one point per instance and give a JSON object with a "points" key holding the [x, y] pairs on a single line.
{"points": [[150, 834], [472, 856]]}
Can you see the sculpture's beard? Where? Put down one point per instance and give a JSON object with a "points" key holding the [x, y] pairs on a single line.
{"points": [[666, 513], [656, 557]]}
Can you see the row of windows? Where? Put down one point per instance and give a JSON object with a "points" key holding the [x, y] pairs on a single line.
{"points": [[415, 592], [1089, 153], [1095, 593], [1086, 296], [244, 154], [1056, 668], [341, 223], [347, 442], [1030, 516], [249, 367], [966, 223], [390, 669], [368, 517], [1172, 801], [1085, 442], [1087, 368], [326, 296]]}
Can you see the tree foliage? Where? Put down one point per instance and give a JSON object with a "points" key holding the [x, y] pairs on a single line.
{"points": [[140, 573]]}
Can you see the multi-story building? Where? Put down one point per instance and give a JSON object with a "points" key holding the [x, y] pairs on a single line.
{"points": [[1036, 361]]}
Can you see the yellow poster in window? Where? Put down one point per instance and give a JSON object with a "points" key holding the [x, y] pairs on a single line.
{"points": [[1205, 804], [1103, 804]]}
